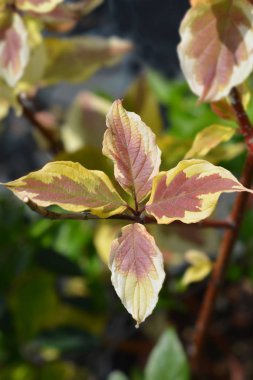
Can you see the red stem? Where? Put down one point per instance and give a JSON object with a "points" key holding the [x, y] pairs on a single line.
{"points": [[230, 235], [242, 118]]}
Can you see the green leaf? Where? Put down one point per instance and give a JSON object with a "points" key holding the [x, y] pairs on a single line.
{"points": [[117, 375], [167, 361]]}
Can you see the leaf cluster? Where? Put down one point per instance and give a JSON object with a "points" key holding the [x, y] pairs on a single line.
{"points": [[186, 193]]}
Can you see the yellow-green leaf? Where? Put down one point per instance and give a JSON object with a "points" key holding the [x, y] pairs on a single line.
{"points": [[76, 59], [200, 267], [140, 98], [137, 270], [103, 239], [39, 6], [190, 191], [217, 55], [226, 152], [85, 122], [70, 186], [208, 139]]}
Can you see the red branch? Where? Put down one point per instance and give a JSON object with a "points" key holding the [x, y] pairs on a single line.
{"points": [[230, 235], [46, 213], [242, 118]]}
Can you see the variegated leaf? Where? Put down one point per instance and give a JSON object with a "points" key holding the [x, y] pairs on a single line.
{"points": [[200, 267], [189, 192], [208, 139], [137, 270], [14, 49], [132, 147], [70, 186], [39, 6], [217, 55]]}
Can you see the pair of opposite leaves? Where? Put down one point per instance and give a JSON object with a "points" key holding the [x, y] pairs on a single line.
{"points": [[188, 192]]}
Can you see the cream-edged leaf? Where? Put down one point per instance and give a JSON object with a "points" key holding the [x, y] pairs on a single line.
{"points": [[14, 50], [137, 270], [189, 192], [216, 49], [132, 147], [70, 186], [209, 138]]}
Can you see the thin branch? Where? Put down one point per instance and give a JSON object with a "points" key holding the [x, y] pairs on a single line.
{"points": [[242, 118], [209, 223], [132, 218], [55, 144], [229, 238], [71, 216]]}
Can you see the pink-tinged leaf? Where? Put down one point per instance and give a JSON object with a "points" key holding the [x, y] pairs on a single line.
{"points": [[189, 192], [132, 147], [137, 270], [14, 50], [70, 186], [39, 6], [216, 49]]}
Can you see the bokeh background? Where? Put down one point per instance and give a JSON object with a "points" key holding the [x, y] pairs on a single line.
{"points": [[59, 315]]}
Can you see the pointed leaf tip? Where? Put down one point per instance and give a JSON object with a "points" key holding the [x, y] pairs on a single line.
{"points": [[137, 270], [71, 187], [131, 146], [190, 191]]}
